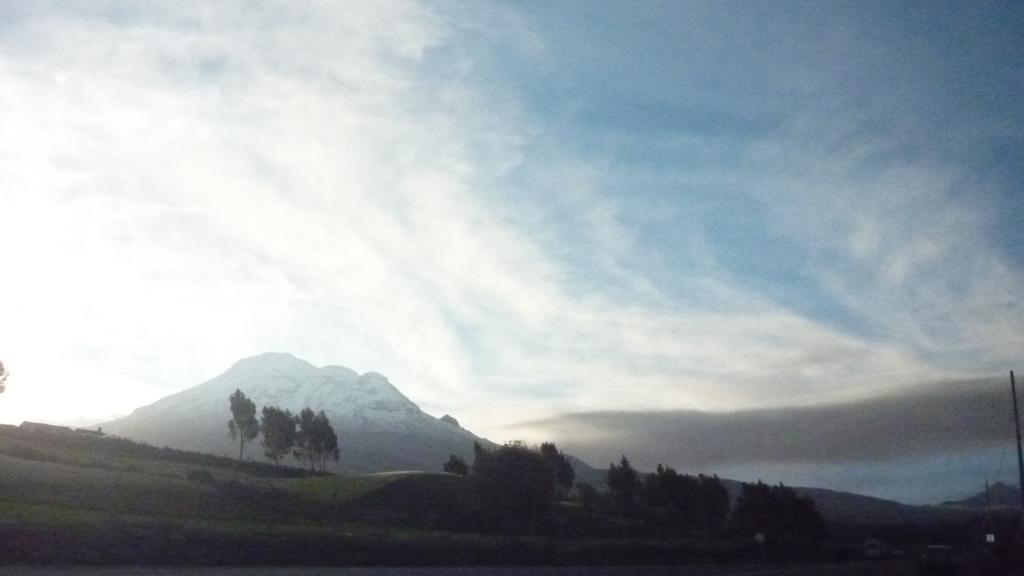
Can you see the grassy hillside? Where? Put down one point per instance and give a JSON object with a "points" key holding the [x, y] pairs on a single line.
{"points": [[118, 476]]}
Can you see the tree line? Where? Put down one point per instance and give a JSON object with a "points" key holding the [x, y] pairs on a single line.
{"points": [[702, 503], [518, 487], [307, 436]]}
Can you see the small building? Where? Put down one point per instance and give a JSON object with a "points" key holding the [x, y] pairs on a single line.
{"points": [[875, 549], [41, 428]]}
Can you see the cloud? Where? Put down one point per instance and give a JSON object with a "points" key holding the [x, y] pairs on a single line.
{"points": [[939, 419], [904, 243], [377, 186], [161, 220]]}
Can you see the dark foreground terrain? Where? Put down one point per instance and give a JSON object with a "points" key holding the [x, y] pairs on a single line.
{"points": [[101, 505], [848, 569]]}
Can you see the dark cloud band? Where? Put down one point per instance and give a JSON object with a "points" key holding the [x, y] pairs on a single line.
{"points": [[938, 418]]}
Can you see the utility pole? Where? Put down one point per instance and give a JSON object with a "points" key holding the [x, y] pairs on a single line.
{"points": [[1020, 454]]}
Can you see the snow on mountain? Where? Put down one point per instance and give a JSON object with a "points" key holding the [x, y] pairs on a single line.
{"points": [[378, 427]]}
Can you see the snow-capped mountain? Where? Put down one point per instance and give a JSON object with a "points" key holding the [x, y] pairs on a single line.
{"points": [[378, 427]]}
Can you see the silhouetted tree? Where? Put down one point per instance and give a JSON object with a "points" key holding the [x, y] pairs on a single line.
{"points": [[693, 502], [456, 465], [586, 494], [777, 511], [714, 500], [315, 440], [243, 425], [305, 438], [564, 474], [278, 432], [672, 498], [623, 482], [515, 484], [328, 440], [659, 489]]}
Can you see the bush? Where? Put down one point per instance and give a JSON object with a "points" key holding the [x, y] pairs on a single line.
{"points": [[201, 475], [778, 513], [688, 501], [624, 483], [456, 465], [586, 495], [516, 486]]}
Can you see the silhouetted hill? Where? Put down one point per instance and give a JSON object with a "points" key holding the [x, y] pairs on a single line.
{"points": [[1000, 495], [856, 509]]}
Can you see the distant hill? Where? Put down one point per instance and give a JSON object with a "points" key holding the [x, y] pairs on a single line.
{"points": [[857, 509], [999, 495]]}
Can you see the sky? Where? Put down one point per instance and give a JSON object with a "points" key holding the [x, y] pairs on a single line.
{"points": [[548, 220]]}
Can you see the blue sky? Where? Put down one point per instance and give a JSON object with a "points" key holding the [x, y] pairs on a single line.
{"points": [[516, 211]]}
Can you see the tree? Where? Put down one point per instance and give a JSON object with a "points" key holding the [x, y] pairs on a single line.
{"points": [[328, 439], [673, 499], [623, 482], [315, 440], [306, 442], [3, 377], [564, 474], [456, 465], [587, 495], [515, 484], [714, 500], [687, 501], [777, 511], [243, 425], [662, 488], [278, 432]]}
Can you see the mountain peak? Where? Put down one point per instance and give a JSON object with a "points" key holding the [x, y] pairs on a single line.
{"points": [[286, 381], [339, 372], [376, 380], [272, 360]]}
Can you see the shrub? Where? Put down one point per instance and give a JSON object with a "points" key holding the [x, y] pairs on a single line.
{"points": [[200, 475]]}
